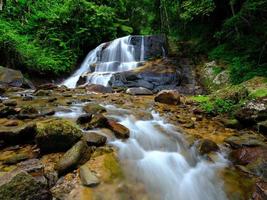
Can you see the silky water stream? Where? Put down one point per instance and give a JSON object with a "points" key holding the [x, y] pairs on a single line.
{"points": [[157, 155]]}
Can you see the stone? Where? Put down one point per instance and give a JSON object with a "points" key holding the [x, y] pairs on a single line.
{"points": [[231, 123], [73, 157], [245, 140], [260, 192], [139, 91], [262, 127], [94, 139], [171, 97], [207, 146], [13, 78], [10, 103], [252, 112], [55, 135], [47, 86], [43, 93], [92, 108], [98, 121], [120, 131], [6, 111], [98, 88], [88, 178], [19, 185], [83, 119], [20, 134]]}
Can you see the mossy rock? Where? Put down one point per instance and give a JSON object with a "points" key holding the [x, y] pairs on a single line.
{"points": [[22, 186], [93, 108], [234, 93], [55, 135], [78, 154]]}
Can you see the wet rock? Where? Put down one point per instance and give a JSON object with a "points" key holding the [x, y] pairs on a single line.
{"points": [[245, 140], [94, 139], [98, 121], [98, 88], [207, 146], [83, 119], [51, 100], [88, 178], [56, 135], [28, 110], [260, 191], [20, 185], [6, 111], [27, 98], [139, 91], [168, 97], [11, 123], [80, 152], [43, 93], [13, 78], [92, 108], [262, 127], [21, 134], [10, 103], [120, 131]]}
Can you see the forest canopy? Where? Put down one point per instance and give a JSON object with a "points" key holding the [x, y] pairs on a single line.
{"points": [[53, 36]]}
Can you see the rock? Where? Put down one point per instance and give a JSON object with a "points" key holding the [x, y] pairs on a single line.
{"points": [[92, 108], [94, 139], [98, 121], [247, 155], [43, 93], [13, 78], [21, 134], [207, 146], [28, 110], [231, 123], [168, 97], [20, 185], [51, 100], [222, 78], [11, 123], [73, 157], [234, 93], [27, 98], [6, 111], [252, 112], [260, 192], [262, 127], [98, 88], [245, 140], [88, 178], [56, 135], [139, 91], [120, 131], [83, 119], [47, 86], [10, 103]]}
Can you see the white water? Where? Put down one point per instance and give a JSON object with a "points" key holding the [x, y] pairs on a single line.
{"points": [[142, 55], [118, 56], [157, 155]]}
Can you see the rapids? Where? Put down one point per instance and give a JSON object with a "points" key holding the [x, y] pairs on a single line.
{"points": [[157, 155]]}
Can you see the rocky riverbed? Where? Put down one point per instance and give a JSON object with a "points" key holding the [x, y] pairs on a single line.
{"points": [[47, 151]]}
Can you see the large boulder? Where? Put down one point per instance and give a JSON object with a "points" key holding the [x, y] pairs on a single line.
{"points": [[19, 185], [98, 88], [13, 78], [56, 135], [94, 139], [168, 97], [18, 134]]}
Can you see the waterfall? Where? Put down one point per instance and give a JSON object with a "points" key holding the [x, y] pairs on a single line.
{"points": [[107, 59]]}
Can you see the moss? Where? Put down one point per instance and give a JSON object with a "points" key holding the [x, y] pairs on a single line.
{"points": [[111, 164], [262, 92], [200, 98]]}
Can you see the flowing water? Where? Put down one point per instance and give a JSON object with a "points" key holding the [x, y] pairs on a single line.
{"points": [[106, 60], [157, 156]]}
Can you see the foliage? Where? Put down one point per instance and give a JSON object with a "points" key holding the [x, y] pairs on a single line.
{"points": [[51, 35]]}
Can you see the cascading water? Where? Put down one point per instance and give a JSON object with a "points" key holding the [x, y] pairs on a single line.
{"points": [[107, 59], [157, 155]]}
